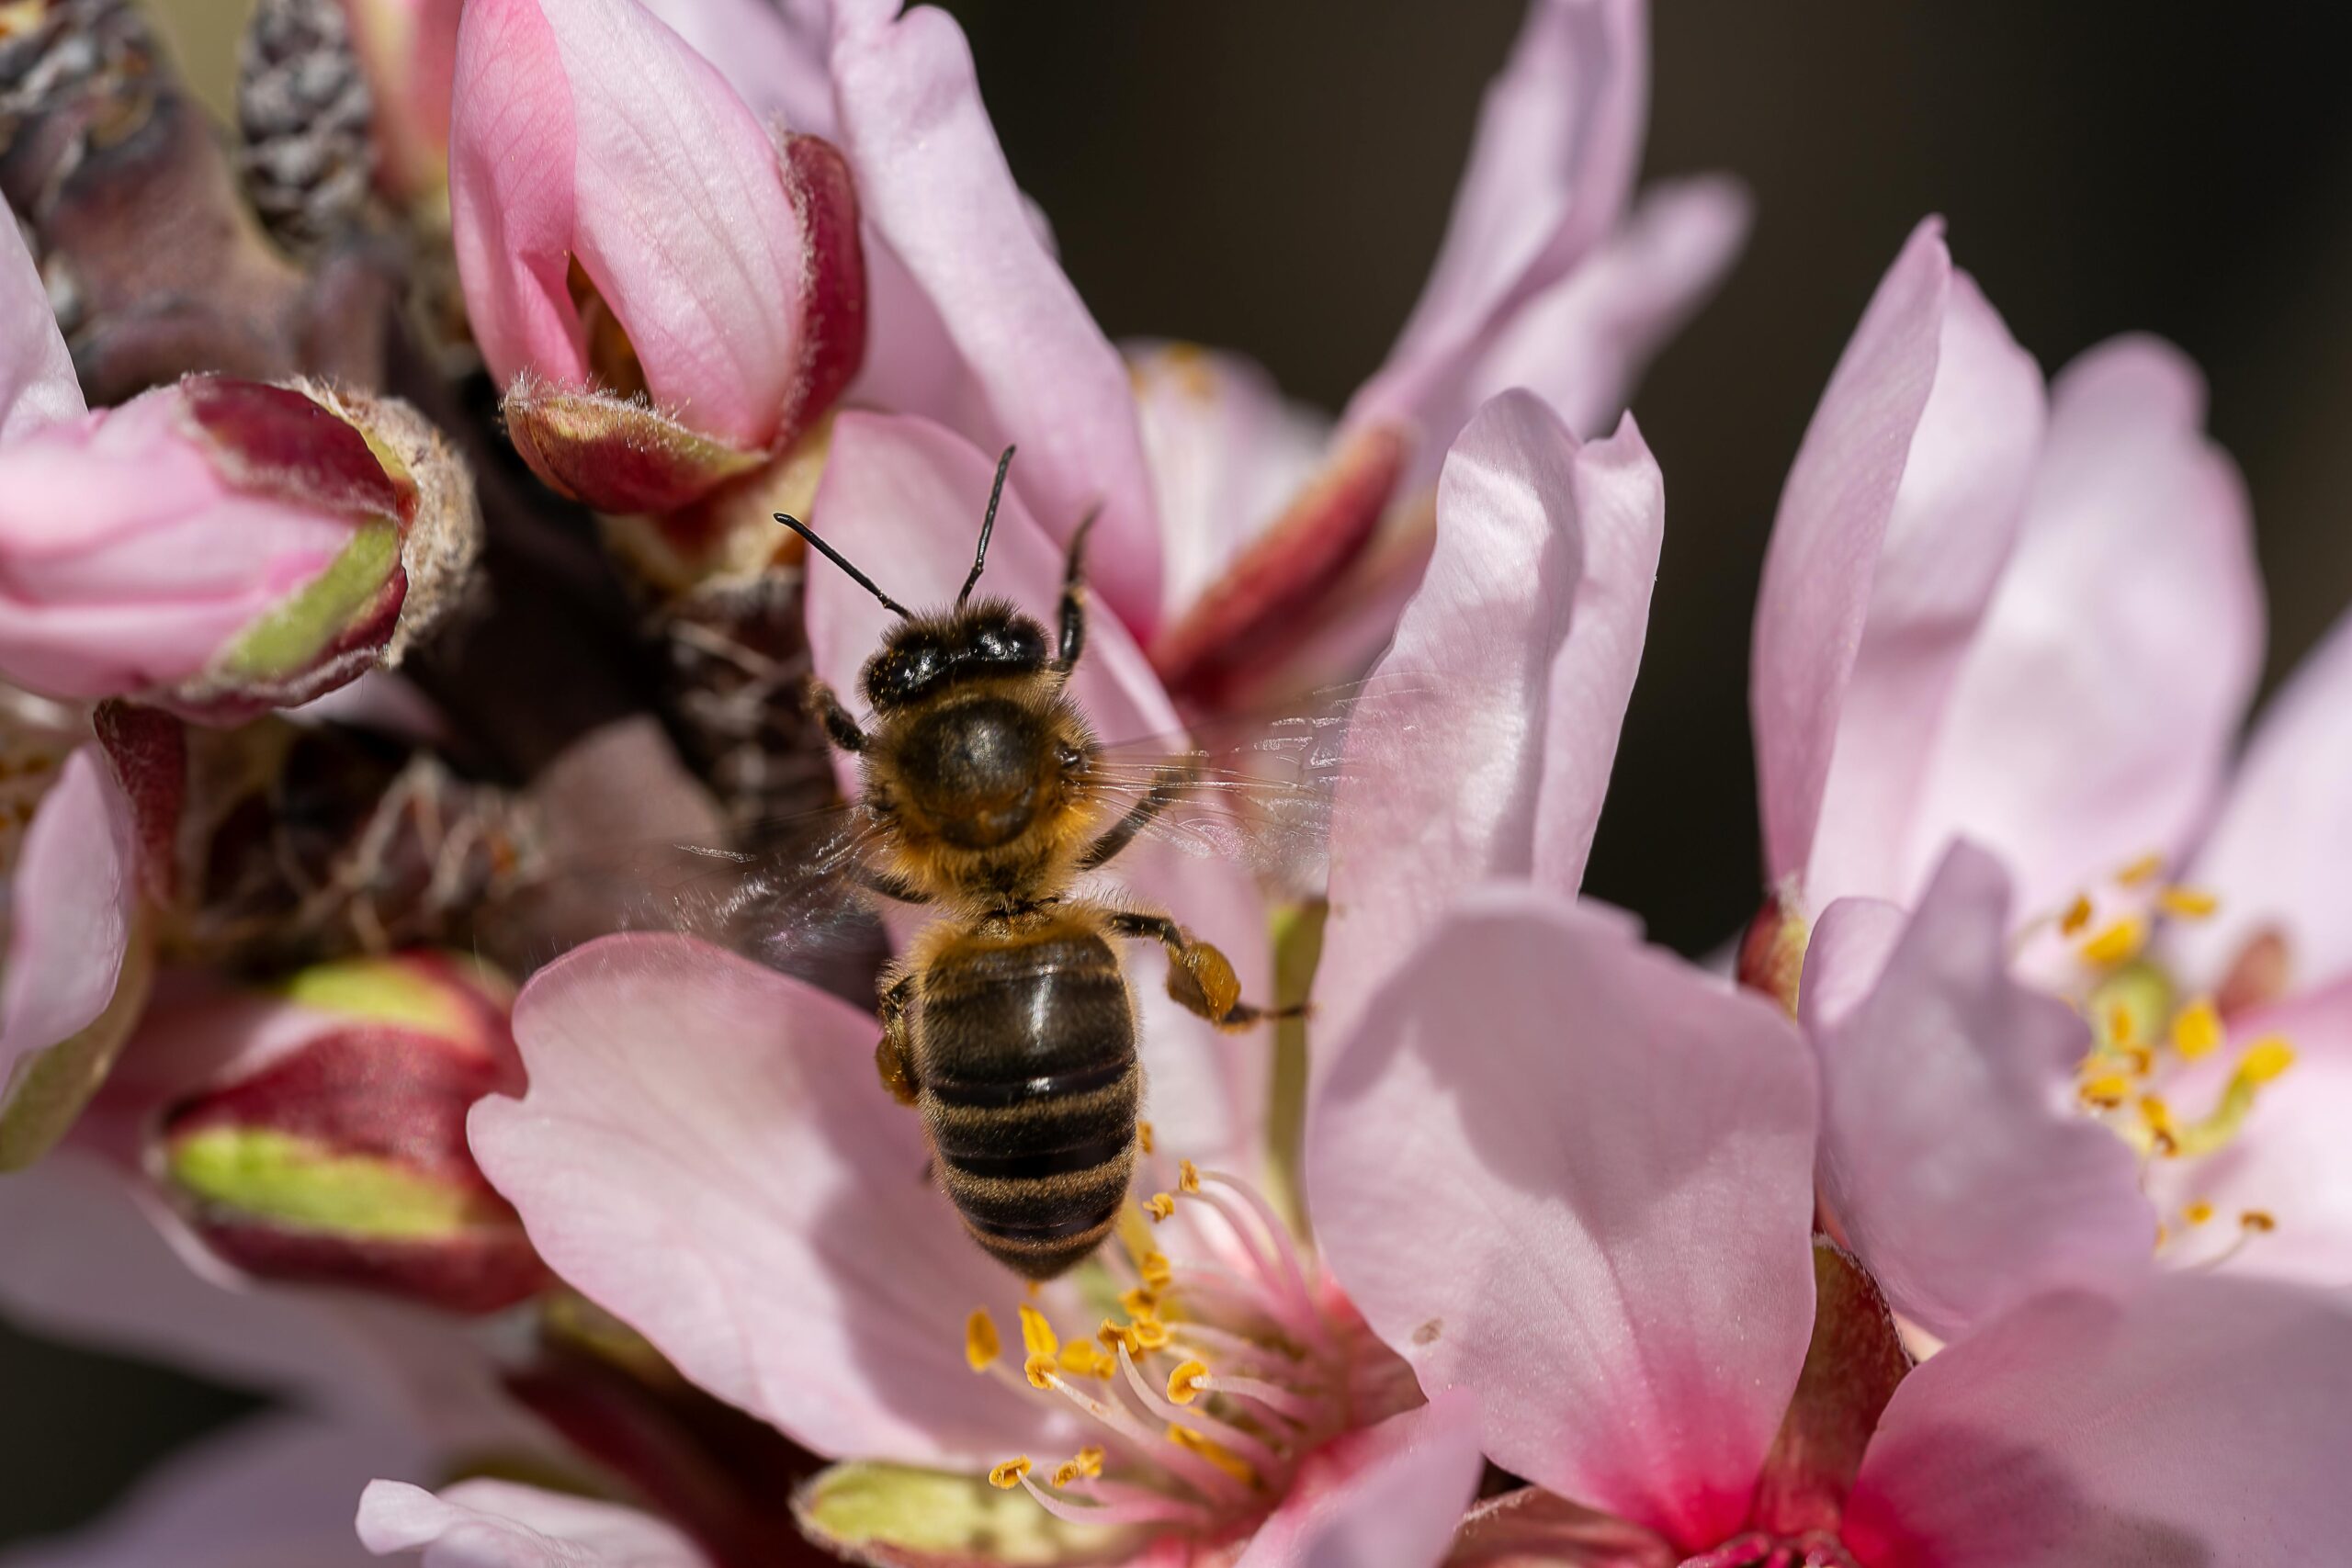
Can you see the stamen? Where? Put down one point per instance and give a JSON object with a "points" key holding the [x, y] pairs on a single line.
{"points": [[1208, 1479], [1184, 1384], [1276, 1399], [1188, 1176], [1085, 1358], [1134, 1505], [1145, 1138], [1037, 1334], [2260, 1221], [1159, 1205], [2107, 1092], [1039, 1370], [2076, 918], [2198, 1212], [2117, 942], [1139, 1303], [2196, 1031], [1232, 1464], [2188, 903], [1011, 1473], [2266, 1059], [1229, 1433], [982, 1345], [2140, 869]]}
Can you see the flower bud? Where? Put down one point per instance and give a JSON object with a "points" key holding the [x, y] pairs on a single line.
{"points": [[338, 1154], [667, 294], [219, 547]]}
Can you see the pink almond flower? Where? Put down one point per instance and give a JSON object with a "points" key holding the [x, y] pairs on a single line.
{"points": [[2033, 629], [667, 292], [1590, 1170], [758, 1207]]}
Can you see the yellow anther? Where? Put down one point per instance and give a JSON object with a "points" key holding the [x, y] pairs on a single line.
{"points": [[2197, 1029], [1231, 1463], [1139, 1302], [1007, 1476], [1144, 1138], [2122, 1024], [1114, 1335], [2155, 1114], [1039, 1370], [1065, 1472], [2140, 869], [981, 1346], [1184, 1382], [1037, 1334], [1089, 1460], [2266, 1059], [1188, 1177], [1155, 1270], [2199, 1213], [1159, 1205], [2077, 916], [2107, 1092], [2260, 1221], [1150, 1333], [2117, 942], [1085, 1358], [2189, 903]]}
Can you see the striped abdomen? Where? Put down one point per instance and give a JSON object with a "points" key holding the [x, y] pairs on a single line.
{"points": [[1024, 1060]]}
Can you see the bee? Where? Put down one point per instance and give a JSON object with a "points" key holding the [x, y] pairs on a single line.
{"points": [[1008, 1023]]}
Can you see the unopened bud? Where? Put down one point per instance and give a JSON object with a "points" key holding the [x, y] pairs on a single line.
{"points": [[220, 547], [341, 1160]]}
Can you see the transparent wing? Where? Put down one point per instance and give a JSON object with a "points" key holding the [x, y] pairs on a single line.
{"points": [[789, 893], [1258, 789]]}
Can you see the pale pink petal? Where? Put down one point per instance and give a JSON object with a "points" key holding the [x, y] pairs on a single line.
{"points": [[1574, 1176], [1581, 342], [2277, 855], [684, 222], [902, 498], [707, 1152], [1898, 513], [511, 133], [1954, 1156], [272, 1492], [71, 902], [91, 1263], [37, 383], [1482, 744], [499, 1524], [935, 186], [2203, 1422], [1391, 1495], [2093, 720], [1559, 136], [772, 52], [2290, 1159], [1227, 452]]}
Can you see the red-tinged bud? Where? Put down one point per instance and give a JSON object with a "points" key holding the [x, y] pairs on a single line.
{"points": [[341, 1157], [643, 366], [220, 547]]}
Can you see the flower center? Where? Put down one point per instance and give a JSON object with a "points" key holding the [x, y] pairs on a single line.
{"points": [[1815, 1548], [2153, 1075], [1223, 1366]]}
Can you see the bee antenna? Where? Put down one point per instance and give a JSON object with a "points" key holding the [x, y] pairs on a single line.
{"points": [[842, 562], [987, 526]]}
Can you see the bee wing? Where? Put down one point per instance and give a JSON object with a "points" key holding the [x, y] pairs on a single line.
{"points": [[786, 893], [1259, 789]]}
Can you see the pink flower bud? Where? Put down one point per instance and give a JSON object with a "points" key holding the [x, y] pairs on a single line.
{"points": [[336, 1150], [667, 292], [219, 547]]}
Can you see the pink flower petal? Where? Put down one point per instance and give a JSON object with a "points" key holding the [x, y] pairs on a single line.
{"points": [[936, 187], [2276, 856], [2289, 1159], [1952, 1153], [2202, 1422], [1392, 1494], [2093, 720], [707, 1152], [902, 498], [38, 388], [771, 52], [1574, 1176], [93, 1262], [71, 900], [1482, 744], [1898, 513], [272, 1492], [499, 1524], [1558, 138]]}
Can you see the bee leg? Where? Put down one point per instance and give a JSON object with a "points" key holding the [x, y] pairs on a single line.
{"points": [[840, 728], [1199, 976], [891, 1057], [1167, 786], [1073, 639], [889, 885]]}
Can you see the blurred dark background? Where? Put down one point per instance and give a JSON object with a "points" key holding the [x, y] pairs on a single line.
{"points": [[1274, 178]]}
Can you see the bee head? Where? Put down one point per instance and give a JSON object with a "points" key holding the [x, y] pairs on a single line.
{"points": [[921, 659]]}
